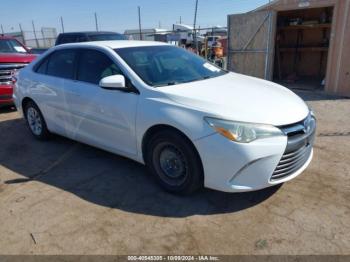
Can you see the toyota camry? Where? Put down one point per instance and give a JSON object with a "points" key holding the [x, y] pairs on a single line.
{"points": [[191, 123]]}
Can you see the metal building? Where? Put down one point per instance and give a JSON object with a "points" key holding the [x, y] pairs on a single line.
{"points": [[299, 43]]}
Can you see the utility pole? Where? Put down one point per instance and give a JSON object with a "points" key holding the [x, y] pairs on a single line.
{"points": [[139, 12], [2, 29], [96, 22], [194, 27], [180, 20], [62, 25], [36, 39]]}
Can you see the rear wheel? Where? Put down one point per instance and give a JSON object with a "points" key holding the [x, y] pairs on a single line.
{"points": [[174, 162], [36, 121]]}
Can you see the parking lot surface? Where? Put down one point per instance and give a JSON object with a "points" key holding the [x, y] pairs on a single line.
{"points": [[63, 197]]}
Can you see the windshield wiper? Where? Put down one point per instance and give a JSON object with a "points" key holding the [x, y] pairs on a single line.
{"points": [[172, 83], [167, 84], [207, 77], [185, 81]]}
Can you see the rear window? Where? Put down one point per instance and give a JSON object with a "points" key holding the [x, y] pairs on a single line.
{"points": [[66, 39]]}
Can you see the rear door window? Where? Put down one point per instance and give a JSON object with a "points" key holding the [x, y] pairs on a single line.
{"points": [[62, 63]]}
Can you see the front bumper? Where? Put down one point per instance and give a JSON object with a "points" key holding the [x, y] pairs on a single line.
{"points": [[6, 92], [237, 167]]}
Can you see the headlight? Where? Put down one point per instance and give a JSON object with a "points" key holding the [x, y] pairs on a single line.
{"points": [[242, 132]]}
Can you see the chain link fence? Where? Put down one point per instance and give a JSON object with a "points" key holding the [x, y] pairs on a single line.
{"points": [[45, 38], [202, 41]]}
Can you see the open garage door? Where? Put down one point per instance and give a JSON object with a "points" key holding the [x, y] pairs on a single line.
{"points": [[251, 43]]}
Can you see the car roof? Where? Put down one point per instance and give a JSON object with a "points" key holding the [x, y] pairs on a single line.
{"points": [[89, 33], [114, 44]]}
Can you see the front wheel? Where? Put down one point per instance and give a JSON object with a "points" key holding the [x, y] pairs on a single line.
{"points": [[175, 162], [36, 121]]}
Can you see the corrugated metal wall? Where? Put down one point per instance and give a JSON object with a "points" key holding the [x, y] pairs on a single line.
{"points": [[338, 67]]}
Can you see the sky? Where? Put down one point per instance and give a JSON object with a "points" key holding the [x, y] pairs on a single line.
{"points": [[117, 15]]}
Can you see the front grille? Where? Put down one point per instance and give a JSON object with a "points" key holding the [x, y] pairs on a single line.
{"points": [[5, 97], [291, 162], [7, 71], [299, 147]]}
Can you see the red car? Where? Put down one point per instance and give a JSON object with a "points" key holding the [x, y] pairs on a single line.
{"points": [[13, 56]]}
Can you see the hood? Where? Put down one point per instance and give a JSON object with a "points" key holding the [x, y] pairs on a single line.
{"points": [[240, 98], [16, 58]]}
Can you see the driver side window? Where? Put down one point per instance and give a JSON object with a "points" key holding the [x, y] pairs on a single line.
{"points": [[95, 65]]}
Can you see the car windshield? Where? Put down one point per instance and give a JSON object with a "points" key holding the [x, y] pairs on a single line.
{"points": [[102, 37], [11, 46], [167, 65]]}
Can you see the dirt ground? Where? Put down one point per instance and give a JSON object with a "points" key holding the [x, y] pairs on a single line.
{"points": [[62, 197]]}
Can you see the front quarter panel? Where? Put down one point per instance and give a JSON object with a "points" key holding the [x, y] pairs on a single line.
{"points": [[158, 110]]}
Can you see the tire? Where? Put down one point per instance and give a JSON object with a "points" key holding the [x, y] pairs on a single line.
{"points": [[174, 162], [35, 121]]}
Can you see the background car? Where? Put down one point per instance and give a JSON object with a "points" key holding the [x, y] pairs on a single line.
{"points": [[75, 37], [38, 51], [13, 57]]}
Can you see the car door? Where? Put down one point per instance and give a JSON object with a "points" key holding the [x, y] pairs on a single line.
{"points": [[103, 118], [52, 77]]}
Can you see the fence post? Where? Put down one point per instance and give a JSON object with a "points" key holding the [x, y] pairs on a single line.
{"points": [[36, 39], [22, 34], [96, 22], [62, 25], [44, 39]]}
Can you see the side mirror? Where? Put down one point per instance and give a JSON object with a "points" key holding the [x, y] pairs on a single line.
{"points": [[113, 82]]}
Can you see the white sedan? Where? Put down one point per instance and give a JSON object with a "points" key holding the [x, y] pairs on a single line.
{"points": [[192, 123]]}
